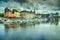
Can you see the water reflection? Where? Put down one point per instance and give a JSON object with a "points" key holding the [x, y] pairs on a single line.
{"points": [[15, 25], [45, 30]]}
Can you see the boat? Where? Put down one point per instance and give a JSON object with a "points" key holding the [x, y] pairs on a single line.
{"points": [[6, 21]]}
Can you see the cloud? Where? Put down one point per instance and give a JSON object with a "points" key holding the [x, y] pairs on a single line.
{"points": [[42, 6], [22, 1], [4, 0]]}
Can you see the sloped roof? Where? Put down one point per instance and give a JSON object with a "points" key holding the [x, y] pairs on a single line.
{"points": [[27, 11]]}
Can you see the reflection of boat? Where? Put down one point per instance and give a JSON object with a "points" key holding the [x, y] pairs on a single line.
{"points": [[12, 25], [7, 26], [1, 20]]}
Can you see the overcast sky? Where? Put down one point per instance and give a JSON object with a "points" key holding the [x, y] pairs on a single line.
{"points": [[39, 5]]}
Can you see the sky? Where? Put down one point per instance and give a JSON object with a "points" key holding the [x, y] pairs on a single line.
{"points": [[40, 6]]}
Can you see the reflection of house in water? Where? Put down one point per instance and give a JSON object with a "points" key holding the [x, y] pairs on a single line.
{"points": [[27, 14], [8, 13], [12, 25], [56, 17]]}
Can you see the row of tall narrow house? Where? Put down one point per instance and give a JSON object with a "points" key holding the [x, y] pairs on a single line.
{"points": [[27, 14], [23, 14], [11, 14]]}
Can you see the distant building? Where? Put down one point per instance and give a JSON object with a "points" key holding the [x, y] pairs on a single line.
{"points": [[56, 15], [27, 14], [38, 15], [16, 13]]}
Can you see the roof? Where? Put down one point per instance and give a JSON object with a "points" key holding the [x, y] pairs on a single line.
{"points": [[27, 11]]}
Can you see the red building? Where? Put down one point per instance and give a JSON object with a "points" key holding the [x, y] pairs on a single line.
{"points": [[8, 13]]}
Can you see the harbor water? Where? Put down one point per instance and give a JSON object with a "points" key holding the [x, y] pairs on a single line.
{"points": [[39, 31]]}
